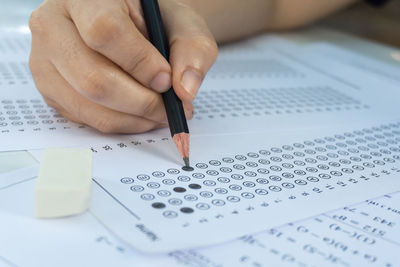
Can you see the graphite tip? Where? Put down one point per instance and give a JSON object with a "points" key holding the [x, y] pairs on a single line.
{"points": [[186, 161]]}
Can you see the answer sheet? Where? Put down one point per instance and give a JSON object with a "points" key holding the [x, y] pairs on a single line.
{"points": [[260, 180], [372, 66], [254, 165], [156, 206], [245, 91], [357, 235]]}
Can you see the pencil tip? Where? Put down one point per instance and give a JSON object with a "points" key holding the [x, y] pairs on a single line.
{"points": [[181, 141], [186, 161]]}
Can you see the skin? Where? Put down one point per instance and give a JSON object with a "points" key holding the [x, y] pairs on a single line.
{"points": [[92, 62]]}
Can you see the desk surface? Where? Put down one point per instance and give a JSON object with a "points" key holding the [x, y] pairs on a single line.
{"points": [[14, 16]]}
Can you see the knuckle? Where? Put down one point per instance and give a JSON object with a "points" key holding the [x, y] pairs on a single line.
{"points": [[76, 108], [208, 45], [151, 105], [36, 22], [140, 58], [104, 27], [94, 85], [106, 125]]}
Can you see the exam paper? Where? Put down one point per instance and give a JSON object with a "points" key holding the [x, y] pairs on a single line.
{"points": [[14, 54], [364, 234], [245, 91], [292, 175], [14, 45], [158, 207], [370, 65], [237, 195], [357, 235]]}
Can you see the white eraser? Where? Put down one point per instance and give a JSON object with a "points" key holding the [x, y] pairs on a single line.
{"points": [[64, 184]]}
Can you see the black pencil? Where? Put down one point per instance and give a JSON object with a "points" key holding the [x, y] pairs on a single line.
{"points": [[173, 105]]}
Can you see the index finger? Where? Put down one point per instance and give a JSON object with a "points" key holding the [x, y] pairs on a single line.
{"points": [[110, 31]]}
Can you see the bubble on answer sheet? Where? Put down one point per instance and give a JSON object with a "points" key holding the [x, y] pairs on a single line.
{"points": [[212, 104], [187, 168], [307, 165]]}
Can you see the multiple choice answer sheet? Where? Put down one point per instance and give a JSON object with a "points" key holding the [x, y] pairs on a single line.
{"points": [[364, 234], [244, 92], [373, 67], [260, 180], [352, 62]]}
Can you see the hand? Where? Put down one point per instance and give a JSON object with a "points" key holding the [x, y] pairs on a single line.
{"points": [[91, 61]]}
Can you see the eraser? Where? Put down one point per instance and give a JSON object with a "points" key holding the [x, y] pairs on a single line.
{"points": [[64, 184]]}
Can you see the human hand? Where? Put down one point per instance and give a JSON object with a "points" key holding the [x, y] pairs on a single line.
{"points": [[91, 61]]}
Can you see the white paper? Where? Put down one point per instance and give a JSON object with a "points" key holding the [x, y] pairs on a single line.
{"points": [[126, 188], [15, 44], [245, 90], [367, 64], [211, 226], [358, 235], [14, 53], [14, 177], [71, 241], [365, 234]]}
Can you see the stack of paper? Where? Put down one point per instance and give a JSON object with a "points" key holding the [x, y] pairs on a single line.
{"points": [[283, 138]]}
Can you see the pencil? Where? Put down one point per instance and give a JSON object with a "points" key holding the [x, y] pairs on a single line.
{"points": [[173, 105]]}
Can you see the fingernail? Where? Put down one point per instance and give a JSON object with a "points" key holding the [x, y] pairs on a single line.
{"points": [[191, 82], [162, 82]]}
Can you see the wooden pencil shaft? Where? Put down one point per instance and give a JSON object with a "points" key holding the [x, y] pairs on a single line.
{"points": [[173, 105]]}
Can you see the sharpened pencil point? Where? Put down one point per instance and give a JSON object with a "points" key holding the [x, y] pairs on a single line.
{"points": [[187, 162], [181, 141]]}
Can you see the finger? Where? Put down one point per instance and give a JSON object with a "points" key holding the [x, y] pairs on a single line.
{"points": [[189, 110], [61, 96], [136, 14], [100, 80], [53, 104], [193, 48], [111, 31]]}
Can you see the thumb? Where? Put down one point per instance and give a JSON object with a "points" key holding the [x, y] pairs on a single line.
{"points": [[193, 49]]}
